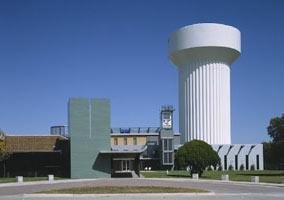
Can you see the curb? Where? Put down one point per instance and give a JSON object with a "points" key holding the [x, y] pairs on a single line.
{"points": [[118, 194], [46, 182], [220, 181]]}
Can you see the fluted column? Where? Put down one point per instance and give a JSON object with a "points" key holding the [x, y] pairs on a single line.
{"points": [[204, 101]]}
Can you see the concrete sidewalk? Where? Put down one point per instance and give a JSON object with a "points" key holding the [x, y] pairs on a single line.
{"points": [[218, 187], [175, 196]]}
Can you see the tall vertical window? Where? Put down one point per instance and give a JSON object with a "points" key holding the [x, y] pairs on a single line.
{"points": [[170, 157], [165, 144], [247, 162], [166, 158], [135, 141], [236, 162], [257, 162], [115, 141], [125, 140], [167, 151], [225, 162], [170, 147]]}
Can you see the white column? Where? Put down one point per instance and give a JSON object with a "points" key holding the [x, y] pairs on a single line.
{"points": [[205, 101]]}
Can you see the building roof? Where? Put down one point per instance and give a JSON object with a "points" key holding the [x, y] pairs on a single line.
{"points": [[50, 143], [126, 149], [137, 131], [141, 130]]}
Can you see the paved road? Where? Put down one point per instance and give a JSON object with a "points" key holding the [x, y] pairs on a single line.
{"points": [[155, 197], [223, 190]]}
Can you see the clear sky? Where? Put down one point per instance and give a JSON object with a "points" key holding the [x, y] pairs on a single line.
{"points": [[53, 50]]}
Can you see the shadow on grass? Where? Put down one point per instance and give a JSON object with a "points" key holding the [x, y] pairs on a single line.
{"points": [[180, 175], [260, 174]]}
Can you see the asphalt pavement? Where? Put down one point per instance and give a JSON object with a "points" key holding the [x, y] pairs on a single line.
{"points": [[219, 190]]}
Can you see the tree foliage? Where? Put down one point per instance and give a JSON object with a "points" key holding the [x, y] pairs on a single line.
{"points": [[273, 151], [197, 155], [276, 129], [3, 152]]}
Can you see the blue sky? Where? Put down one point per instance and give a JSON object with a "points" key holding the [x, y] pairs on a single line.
{"points": [[53, 50]]}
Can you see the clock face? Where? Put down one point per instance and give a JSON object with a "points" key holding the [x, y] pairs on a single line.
{"points": [[167, 121]]}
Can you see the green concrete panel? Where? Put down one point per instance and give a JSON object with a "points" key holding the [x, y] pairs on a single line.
{"points": [[89, 129]]}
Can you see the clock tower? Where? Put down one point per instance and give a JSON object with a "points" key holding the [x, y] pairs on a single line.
{"points": [[167, 136], [167, 117]]}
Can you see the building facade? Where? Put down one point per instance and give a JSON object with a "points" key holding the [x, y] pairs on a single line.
{"points": [[98, 151], [126, 151], [35, 155], [240, 156], [203, 54], [89, 131]]}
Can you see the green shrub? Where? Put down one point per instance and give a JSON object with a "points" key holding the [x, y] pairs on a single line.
{"points": [[252, 167], [231, 167], [198, 155], [242, 167]]}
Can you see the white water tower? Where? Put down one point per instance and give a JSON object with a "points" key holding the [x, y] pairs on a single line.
{"points": [[203, 54]]}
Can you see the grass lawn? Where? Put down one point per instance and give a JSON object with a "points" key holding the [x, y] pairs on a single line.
{"points": [[268, 176], [124, 189], [27, 179]]}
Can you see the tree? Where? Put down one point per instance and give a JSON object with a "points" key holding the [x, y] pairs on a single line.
{"points": [[276, 129], [273, 151], [4, 154], [197, 155], [276, 154]]}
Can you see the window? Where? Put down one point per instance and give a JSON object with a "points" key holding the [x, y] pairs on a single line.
{"points": [[115, 141], [247, 162], [135, 141], [168, 144], [236, 162], [125, 165], [170, 157], [257, 162], [170, 147], [225, 162], [167, 151], [125, 141], [166, 158], [165, 145]]}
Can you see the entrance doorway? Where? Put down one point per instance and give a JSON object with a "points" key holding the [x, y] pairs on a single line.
{"points": [[126, 165], [123, 165]]}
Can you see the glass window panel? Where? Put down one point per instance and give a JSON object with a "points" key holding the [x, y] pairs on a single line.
{"points": [[116, 130], [170, 157], [143, 130], [170, 144], [166, 158], [134, 130], [165, 145]]}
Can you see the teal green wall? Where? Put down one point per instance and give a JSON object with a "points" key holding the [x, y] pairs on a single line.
{"points": [[89, 129]]}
